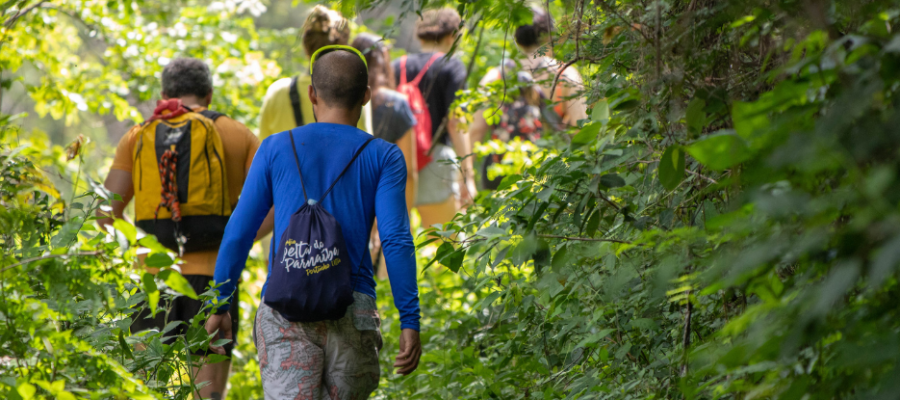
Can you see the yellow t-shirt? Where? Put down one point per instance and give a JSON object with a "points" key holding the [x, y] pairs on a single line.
{"points": [[240, 146], [277, 114]]}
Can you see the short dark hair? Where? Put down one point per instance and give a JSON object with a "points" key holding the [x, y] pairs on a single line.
{"points": [[340, 79], [186, 76], [532, 35], [437, 24]]}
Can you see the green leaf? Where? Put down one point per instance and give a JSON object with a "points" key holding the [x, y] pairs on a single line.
{"points": [[177, 282], [593, 223], [491, 232], [158, 260], [442, 252], [454, 260], [125, 347], [126, 228], [170, 326], [587, 134], [626, 105], [151, 243], [149, 283], [600, 111], [153, 299], [508, 181], [720, 150], [694, 116], [610, 181], [560, 258], [671, 167], [26, 390], [749, 118]]}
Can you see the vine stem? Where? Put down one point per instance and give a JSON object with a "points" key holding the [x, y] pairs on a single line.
{"points": [[686, 340], [33, 259], [560, 72], [582, 239]]}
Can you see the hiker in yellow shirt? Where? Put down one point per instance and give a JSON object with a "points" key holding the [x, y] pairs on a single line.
{"points": [[286, 96]]}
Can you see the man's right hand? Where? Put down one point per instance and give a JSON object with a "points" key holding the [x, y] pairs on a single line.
{"points": [[222, 324], [410, 351]]}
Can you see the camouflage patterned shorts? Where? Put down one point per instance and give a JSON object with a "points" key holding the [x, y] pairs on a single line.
{"points": [[319, 360]]}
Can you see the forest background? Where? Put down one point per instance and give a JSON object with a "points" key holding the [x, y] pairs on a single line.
{"points": [[723, 226]]}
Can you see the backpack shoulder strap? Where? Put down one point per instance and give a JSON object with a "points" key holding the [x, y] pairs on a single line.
{"points": [[294, 93], [431, 61], [211, 114], [358, 152], [297, 160], [403, 70]]}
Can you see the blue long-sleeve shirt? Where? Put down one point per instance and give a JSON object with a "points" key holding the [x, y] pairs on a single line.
{"points": [[374, 186]]}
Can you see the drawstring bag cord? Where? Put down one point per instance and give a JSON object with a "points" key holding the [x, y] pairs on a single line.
{"points": [[169, 192]]}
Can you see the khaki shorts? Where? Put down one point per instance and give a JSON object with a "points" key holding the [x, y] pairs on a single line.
{"points": [[320, 360], [439, 180]]}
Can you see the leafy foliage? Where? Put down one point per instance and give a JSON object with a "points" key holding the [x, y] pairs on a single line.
{"points": [[723, 226], [725, 233]]}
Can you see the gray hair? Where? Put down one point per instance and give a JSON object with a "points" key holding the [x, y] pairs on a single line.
{"points": [[186, 76]]}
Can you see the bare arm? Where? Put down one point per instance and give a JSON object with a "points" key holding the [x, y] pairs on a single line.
{"points": [[463, 147], [118, 182], [408, 147], [479, 127]]}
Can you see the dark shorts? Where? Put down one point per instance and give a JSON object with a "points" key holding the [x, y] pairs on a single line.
{"points": [[184, 309]]}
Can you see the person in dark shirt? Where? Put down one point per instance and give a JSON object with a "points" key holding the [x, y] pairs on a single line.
{"points": [[392, 118], [442, 188], [392, 121]]}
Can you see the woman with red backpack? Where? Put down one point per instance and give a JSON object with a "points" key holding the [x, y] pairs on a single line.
{"points": [[430, 80]]}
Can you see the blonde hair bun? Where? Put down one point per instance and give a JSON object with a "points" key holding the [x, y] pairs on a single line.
{"points": [[324, 27]]}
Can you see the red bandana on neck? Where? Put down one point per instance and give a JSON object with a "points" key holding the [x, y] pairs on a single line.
{"points": [[166, 109]]}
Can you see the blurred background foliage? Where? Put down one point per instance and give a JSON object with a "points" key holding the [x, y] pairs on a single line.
{"points": [[723, 226]]}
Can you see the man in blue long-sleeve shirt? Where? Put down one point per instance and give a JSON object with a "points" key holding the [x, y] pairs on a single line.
{"points": [[338, 357]]}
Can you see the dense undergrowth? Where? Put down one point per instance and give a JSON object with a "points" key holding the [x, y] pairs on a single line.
{"points": [[723, 227]]}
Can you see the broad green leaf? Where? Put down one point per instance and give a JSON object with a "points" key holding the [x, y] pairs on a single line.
{"points": [[177, 282], [720, 150], [491, 232], [587, 134], [508, 181], [600, 111], [694, 116], [126, 229], [560, 258], [443, 251], [26, 390], [158, 260], [454, 260], [671, 167], [125, 347], [611, 181], [626, 105], [593, 223], [153, 300], [749, 118]]}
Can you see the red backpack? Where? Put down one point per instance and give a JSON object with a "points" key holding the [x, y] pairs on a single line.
{"points": [[419, 108]]}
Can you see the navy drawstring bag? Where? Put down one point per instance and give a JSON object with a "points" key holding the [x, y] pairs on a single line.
{"points": [[311, 273]]}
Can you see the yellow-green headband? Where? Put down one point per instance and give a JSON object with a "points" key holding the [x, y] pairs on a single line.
{"points": [[333, 47]]}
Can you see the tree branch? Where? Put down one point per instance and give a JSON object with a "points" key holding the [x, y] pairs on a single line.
{"points": [[711, 180], [12, 20], [581, 239]]}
